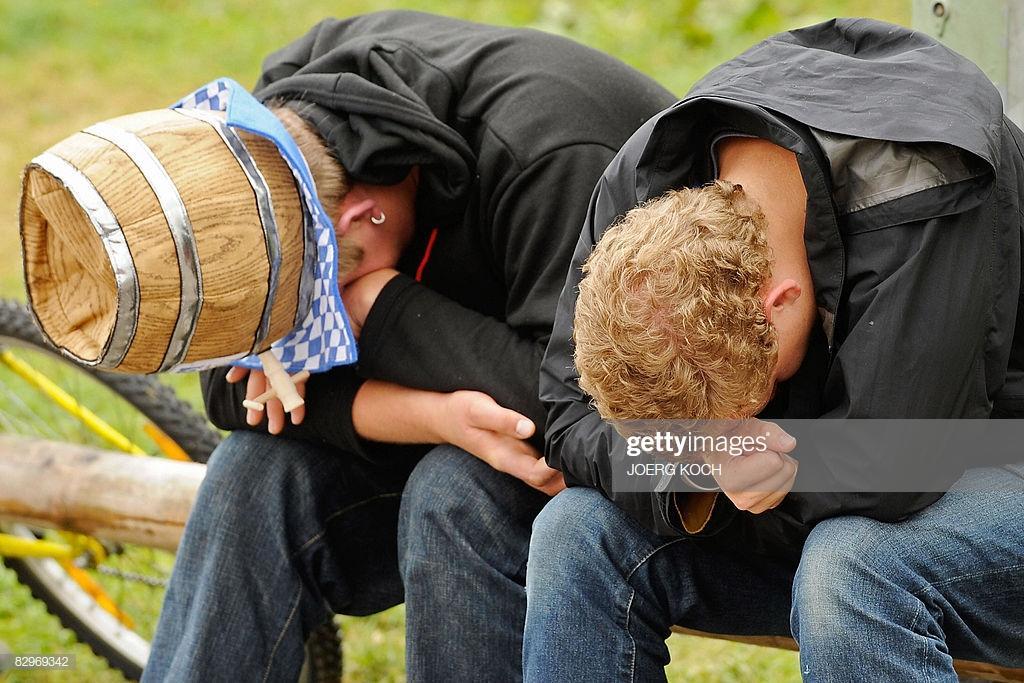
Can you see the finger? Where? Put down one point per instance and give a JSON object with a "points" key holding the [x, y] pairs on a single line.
{"points": [[547, 479], [788, 486], [522, 467], [484, 413], [275, 416], [299, 414], [771, 494], [506, 454], [746, 472], [534, 473], [775, 482], [776, 437], [769, 501], [256, 385], [556, 486], [235, 374], [766, 494]]}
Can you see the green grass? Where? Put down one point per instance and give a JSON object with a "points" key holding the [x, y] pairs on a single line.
{"points": [[65, 65]]}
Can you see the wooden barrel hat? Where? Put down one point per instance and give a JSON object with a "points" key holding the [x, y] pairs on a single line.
{"points": [[161, 238], [183, 239], [179, 239]]}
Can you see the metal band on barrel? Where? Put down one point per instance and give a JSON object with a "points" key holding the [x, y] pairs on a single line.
{"points": [[184, 238], [111, 236], [266, 211], [309, 259]]}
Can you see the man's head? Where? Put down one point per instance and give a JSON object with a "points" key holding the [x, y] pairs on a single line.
{"points": [[675, 312], [364, 245]]}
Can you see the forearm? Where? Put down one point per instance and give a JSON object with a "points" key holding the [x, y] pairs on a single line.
{"points": [[418, 338], [390, 413]]}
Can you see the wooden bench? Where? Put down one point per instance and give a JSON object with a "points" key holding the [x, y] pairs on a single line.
{"points": [[965, 668]]}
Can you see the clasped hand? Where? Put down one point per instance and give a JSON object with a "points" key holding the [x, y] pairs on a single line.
{"points": [[758, 479]]}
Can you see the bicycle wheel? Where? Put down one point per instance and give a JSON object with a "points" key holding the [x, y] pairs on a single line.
{"points": [[133, 577]]}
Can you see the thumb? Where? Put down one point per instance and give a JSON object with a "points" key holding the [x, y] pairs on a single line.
{"points": [[484, 413], [777, 438]]}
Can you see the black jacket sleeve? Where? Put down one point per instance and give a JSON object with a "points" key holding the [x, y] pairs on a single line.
{"points": [[577, 441], [329, 397]]}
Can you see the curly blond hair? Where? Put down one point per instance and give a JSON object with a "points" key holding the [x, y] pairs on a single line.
{"points": [[670, 321]]}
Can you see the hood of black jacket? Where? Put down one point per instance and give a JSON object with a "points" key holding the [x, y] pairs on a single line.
{"points": [[377, 120]]}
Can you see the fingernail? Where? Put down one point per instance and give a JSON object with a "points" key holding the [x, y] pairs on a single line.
{"points": [[250, 418], [787, 441], [524, 427]]}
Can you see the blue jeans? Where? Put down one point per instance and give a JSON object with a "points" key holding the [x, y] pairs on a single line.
{"points": [[868, 601], [284, 533]]}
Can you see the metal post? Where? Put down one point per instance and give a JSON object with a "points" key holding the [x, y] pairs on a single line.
{"points": [[989, 32]]}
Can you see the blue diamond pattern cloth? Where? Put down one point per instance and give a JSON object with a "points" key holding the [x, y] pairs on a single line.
{"points": [[324, 339]]}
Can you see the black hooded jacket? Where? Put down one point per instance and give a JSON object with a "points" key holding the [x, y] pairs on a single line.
{"points": [[913, 234], [511, 129]]}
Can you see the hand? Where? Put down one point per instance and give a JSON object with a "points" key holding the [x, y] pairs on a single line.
{"points": [[474, 422], [360, 295], [758, 481], [273, 409]]}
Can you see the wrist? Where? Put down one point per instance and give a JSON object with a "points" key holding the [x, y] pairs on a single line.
{"points": [[437, 419]]}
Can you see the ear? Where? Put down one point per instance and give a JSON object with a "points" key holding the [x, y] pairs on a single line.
{"points": [[781, 295], [355, 210]]}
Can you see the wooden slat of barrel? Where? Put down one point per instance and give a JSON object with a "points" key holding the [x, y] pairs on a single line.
{"points": [[964, 667]]}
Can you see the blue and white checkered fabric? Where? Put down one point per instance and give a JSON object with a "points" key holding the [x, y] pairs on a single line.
{"points": [[212, 96], [324, 339]]}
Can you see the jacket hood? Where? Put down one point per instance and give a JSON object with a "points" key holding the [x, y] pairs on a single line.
{"points": [[869, 79], [377, 131]]}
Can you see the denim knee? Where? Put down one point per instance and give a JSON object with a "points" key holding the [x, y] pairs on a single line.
{"points": [[241, 464], [846, 566], [569, 534], [455, 503], [251, 480], [436, 499]]}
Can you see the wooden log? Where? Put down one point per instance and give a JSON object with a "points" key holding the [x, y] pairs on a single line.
{"points": [[112, 496]]}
